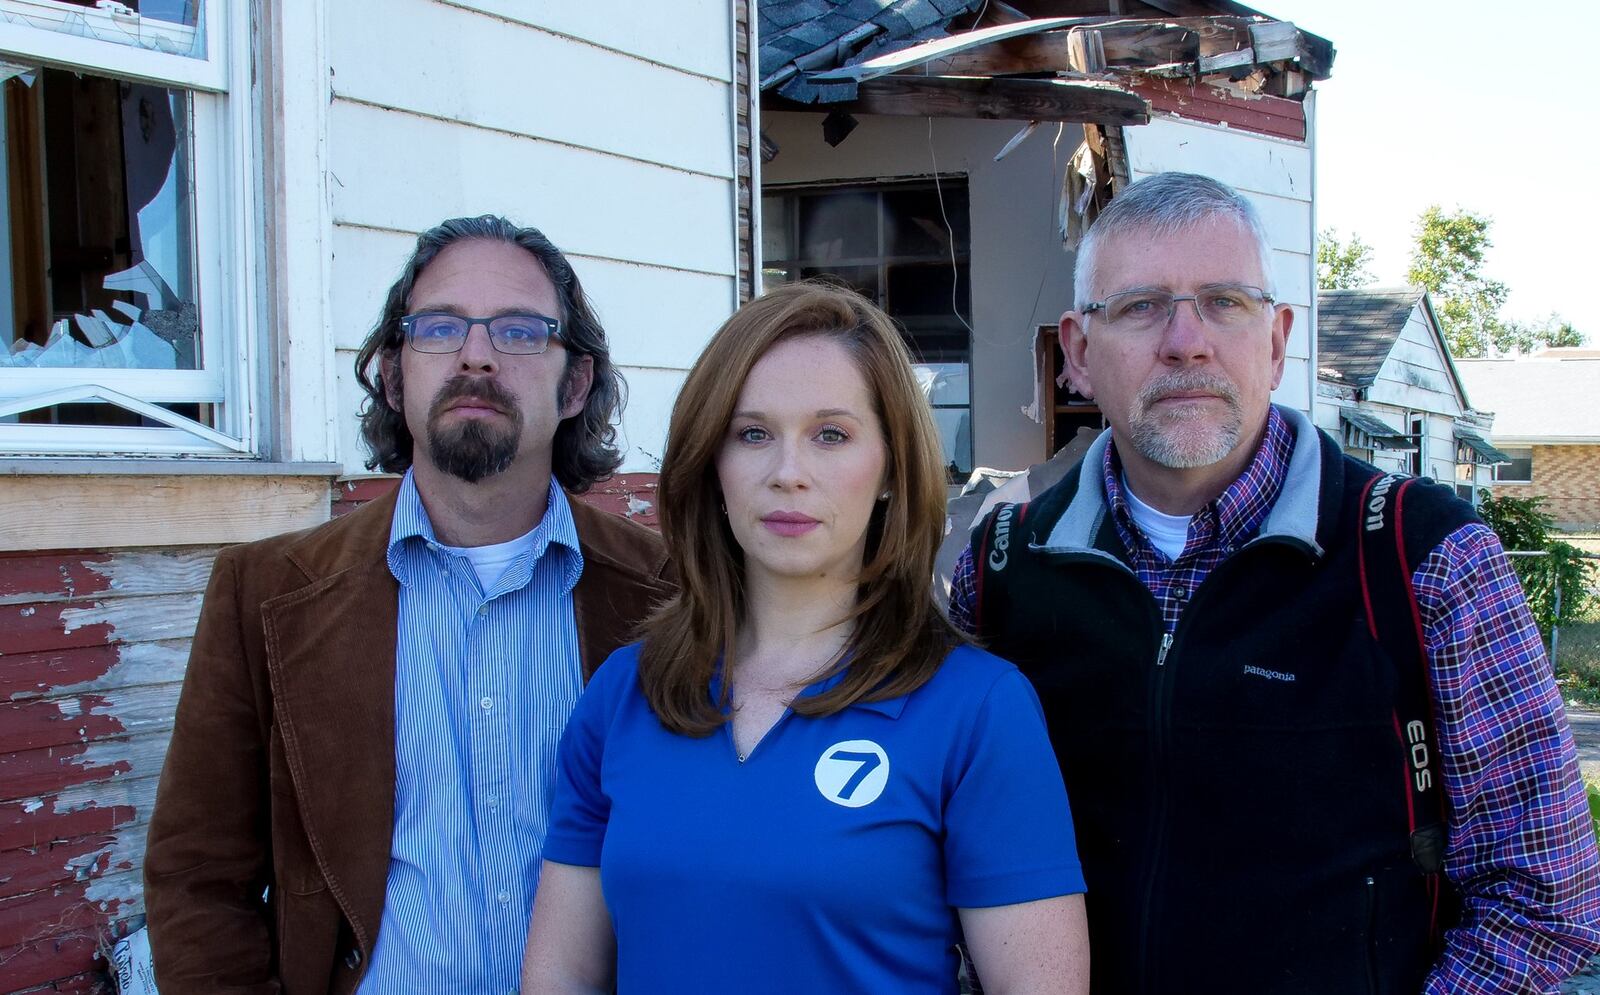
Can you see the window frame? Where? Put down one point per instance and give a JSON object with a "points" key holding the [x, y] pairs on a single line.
{"points": [[793, 260], [1513, 452], [225, 155]]}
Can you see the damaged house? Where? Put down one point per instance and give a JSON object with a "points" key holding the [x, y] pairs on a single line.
{"points": [[943, 156], [205, 202]]}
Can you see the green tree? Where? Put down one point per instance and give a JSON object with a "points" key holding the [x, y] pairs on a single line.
{"points": [[1342, 265], [1523, 524], [1522, 337], [1447, 260]]}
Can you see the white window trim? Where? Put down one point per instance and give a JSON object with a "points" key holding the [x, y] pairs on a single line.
{"points": [[53, 46], [1508, 450], [225, 156]]}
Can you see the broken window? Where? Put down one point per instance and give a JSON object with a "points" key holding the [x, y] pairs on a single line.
{"points": [[97, 204], [118, 186], [906, 247], [169, 26]]}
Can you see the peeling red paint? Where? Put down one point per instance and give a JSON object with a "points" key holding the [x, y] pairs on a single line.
{"points": [[36, 673], [39, 772], [35, 821], [54, 574], [631, 495], [55, 912], [38, 963], [32, 725], [91, 983], [31, 628], [1278, 117], [30, 869]]}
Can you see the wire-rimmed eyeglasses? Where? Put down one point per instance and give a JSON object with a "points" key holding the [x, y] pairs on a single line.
{"points": [[1222, 305]]}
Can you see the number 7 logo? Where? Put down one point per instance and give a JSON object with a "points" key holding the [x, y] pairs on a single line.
{"points": [[852, 773]]}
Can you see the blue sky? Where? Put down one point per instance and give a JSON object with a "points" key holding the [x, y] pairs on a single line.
{"points": [[1467, 104]]}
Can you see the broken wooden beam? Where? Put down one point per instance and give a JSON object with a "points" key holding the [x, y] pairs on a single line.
{"points": [[1003, 99]]}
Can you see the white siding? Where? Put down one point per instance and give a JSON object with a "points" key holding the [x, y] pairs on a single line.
{"points": [[1416, 376], [1276, 175], [606, 125]]}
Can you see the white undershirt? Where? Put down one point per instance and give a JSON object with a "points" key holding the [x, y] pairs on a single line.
{"points": [[490, 562], [1167, 533]]}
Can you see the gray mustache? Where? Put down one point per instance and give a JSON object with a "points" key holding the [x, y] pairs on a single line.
{"points": [[1180, 381]]}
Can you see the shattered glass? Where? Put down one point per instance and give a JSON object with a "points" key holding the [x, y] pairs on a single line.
{"points": [[118, 291], [176, 27]]}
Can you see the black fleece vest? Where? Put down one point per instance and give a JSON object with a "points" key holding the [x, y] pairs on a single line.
{"points": [[1239, 795]]}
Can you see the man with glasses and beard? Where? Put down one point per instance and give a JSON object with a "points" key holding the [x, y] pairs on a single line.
{"points": [[1309, 731], [357, 789]]}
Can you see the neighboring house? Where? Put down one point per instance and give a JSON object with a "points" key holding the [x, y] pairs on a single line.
{"points": [[204, 202], [1547, 420], [1392, 394], [944, 155]]}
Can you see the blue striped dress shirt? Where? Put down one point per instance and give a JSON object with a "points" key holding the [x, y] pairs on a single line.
{"points": [[484, 684]]}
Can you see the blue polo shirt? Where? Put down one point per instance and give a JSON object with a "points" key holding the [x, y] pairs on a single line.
{"points": [[834, 857]]}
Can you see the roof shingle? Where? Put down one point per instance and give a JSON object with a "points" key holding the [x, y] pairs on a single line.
{"points": [[1357, 329]]}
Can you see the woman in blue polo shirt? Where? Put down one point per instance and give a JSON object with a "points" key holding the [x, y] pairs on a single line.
{"points": [[802, 780]]}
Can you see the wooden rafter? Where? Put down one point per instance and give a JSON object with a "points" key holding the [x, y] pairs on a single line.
{"points": [[1004, 99]]}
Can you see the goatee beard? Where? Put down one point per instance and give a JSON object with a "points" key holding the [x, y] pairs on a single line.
{"points": [[473, 448], [1186, 439]]}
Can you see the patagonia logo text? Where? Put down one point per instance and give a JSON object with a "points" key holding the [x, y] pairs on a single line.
{"points": [[1377, 500], [1002, 537], [1271, 675]]}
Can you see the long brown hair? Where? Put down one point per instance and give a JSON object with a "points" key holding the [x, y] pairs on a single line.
{"points": [[584, 449], [900, 637]]}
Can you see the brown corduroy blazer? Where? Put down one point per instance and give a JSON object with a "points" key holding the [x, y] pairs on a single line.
{"points": [[280, 777]]}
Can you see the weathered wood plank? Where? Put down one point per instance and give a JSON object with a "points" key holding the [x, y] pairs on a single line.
{"points": [[31, 869], [32, 773], [1267, 115], [81, 810], [28, 577], [106, 512], [66, 912], [87, 669], [45, 960], [1002, 99], [53, 577], [84, 718], [62, 625]]}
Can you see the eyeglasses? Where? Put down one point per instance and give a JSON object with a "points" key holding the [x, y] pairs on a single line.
{"points": [[1225, 306], [515, 334]]}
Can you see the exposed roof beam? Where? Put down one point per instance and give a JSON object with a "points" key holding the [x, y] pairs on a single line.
{"points": [[1207, 44], [1004, 99]]}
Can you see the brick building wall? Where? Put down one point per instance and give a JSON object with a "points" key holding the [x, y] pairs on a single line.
{"points": [[1568, 478]]}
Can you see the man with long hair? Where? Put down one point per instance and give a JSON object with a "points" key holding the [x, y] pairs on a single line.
{"points": [[357, 789]]}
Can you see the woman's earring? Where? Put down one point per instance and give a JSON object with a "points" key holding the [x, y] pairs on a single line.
{"points": [[885, 495]]}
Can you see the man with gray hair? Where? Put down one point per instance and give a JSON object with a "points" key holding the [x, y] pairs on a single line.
{"points": [[357, 790], [1308, 728]]}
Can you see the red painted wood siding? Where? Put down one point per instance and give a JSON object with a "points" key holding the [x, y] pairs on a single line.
{"points": [[1259, 113], [93, 646]]}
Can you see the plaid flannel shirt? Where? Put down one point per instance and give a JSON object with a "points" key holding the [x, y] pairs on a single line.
{"points": [[1521, 845]]}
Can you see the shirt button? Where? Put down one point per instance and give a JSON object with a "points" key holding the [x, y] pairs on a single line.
{"points": [[483, 610], [492, 800], [486, 703], [504, 897]]}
